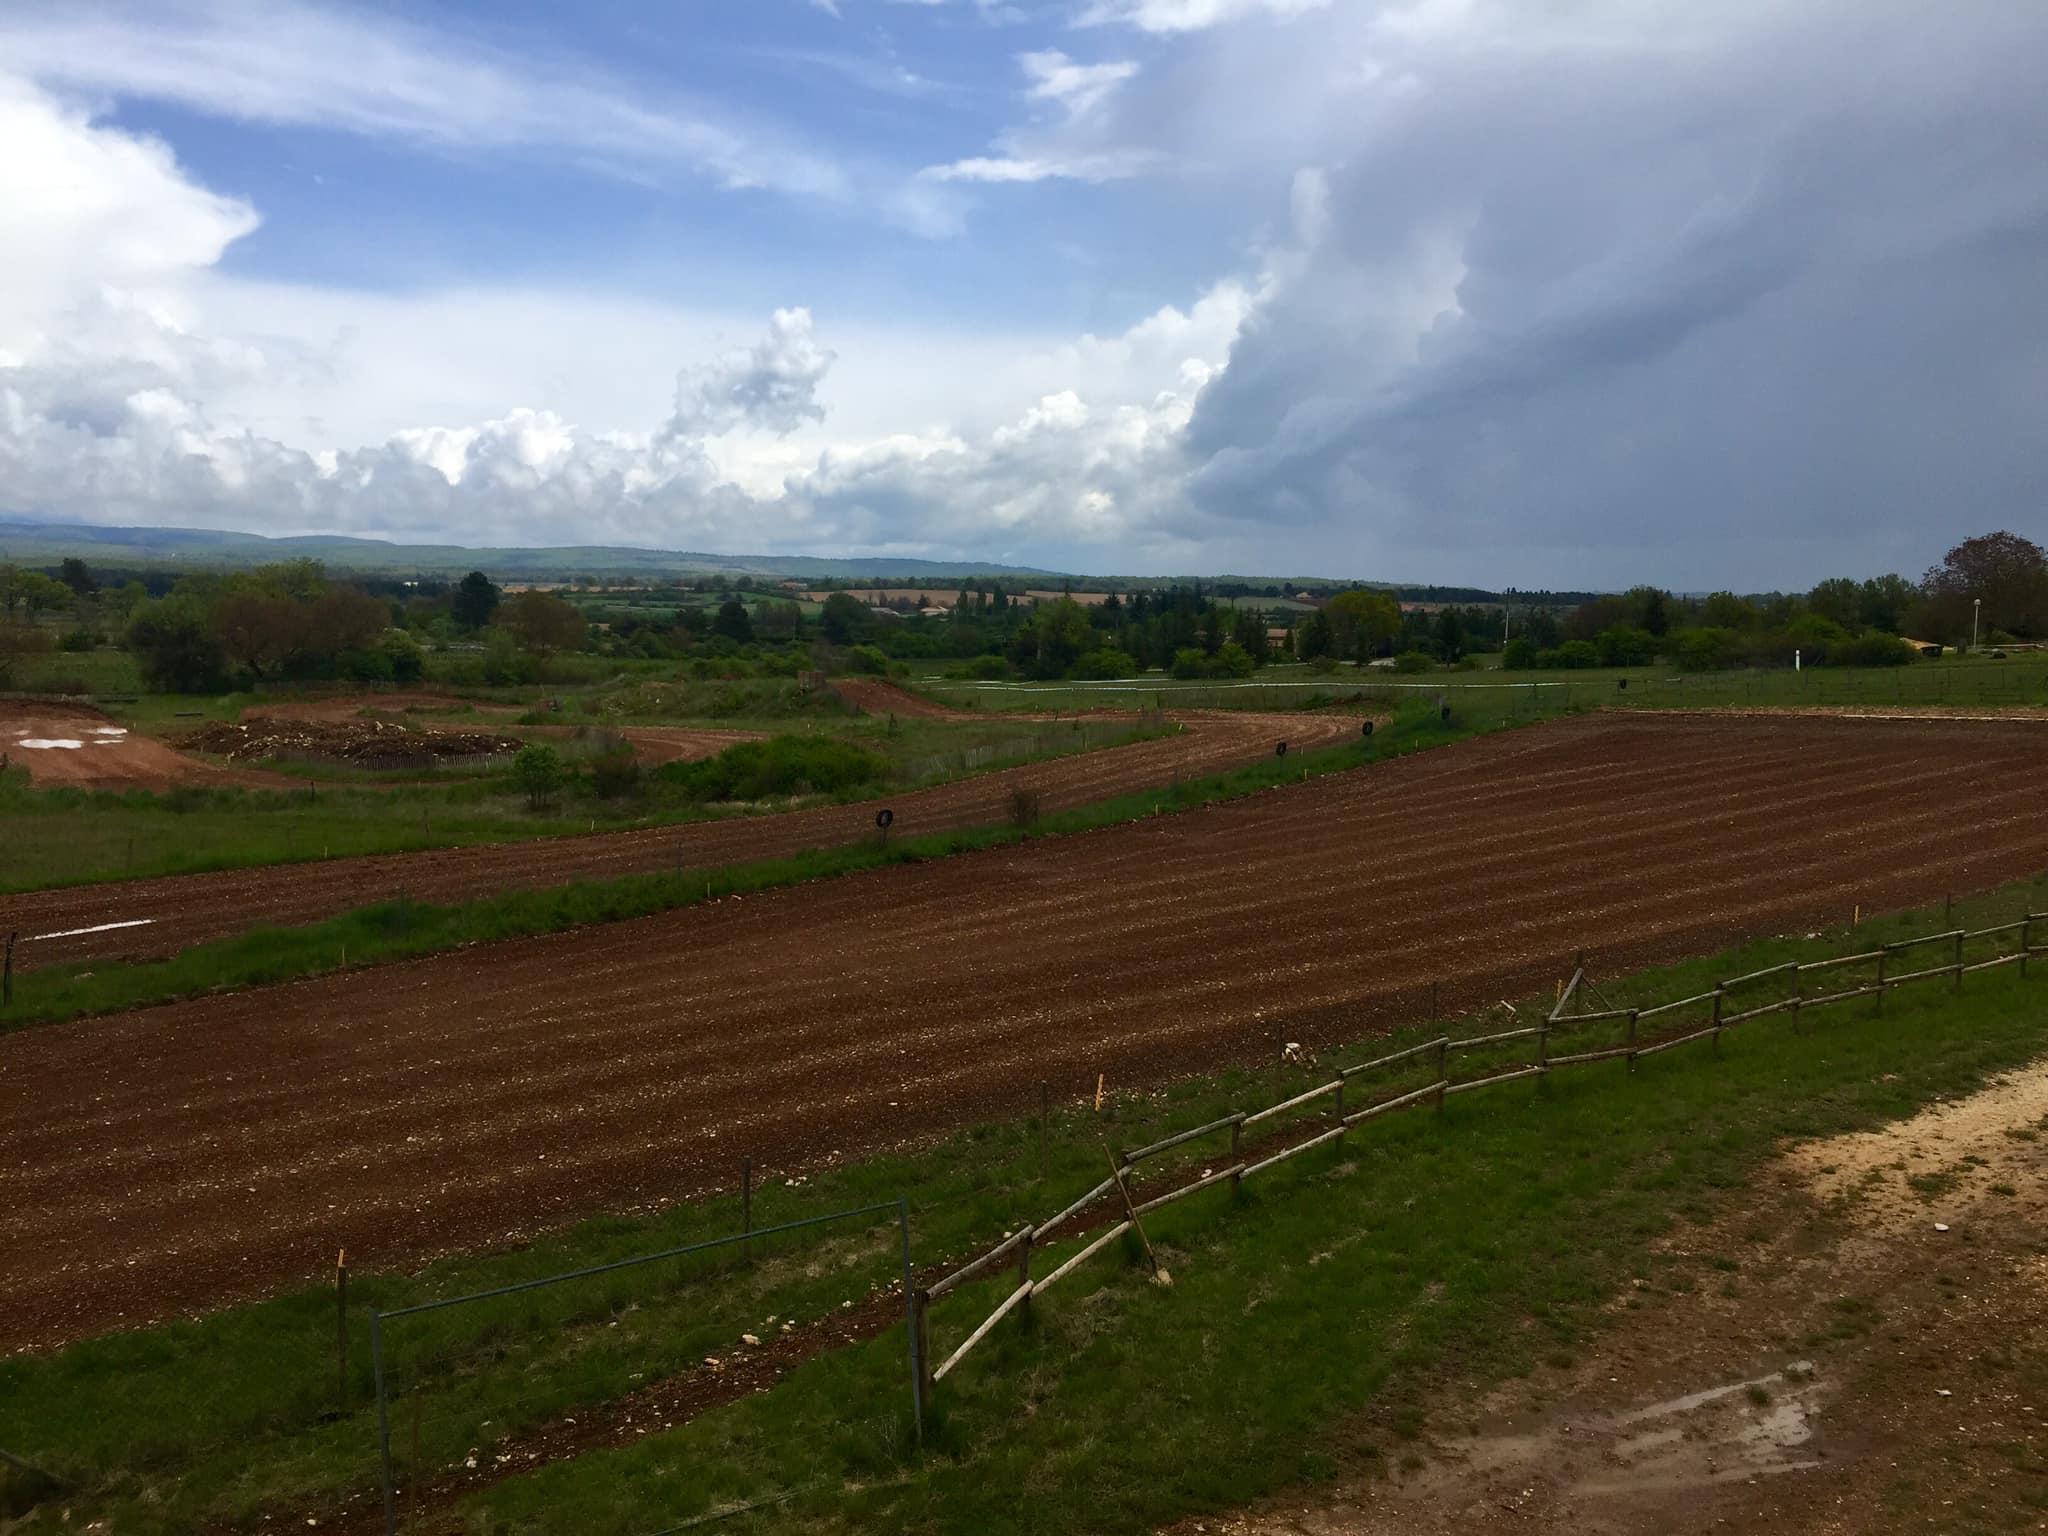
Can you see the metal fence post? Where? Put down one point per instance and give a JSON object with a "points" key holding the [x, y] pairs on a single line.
{"points": [[1959, 960], [913, 1319], [1884, 953], [2026, 941], [1443, 1058], [1236, 1162], [1632, 1039], [383, 1421], [1718, 1025], [747, 1206]]}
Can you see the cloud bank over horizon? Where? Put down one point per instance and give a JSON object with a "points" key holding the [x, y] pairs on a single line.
{"points": [[1570, 296]]}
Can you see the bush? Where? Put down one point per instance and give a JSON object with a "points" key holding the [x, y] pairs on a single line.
{"points": [[615, 772], [1874, 649], [1706, 649], [1233, 660], [1414, 661], [1622, 646], [539, 773], [79, 640], [1519, 655], [988, 669], [1323, 665], [867, 658], [1108, 662], [1571, 656], [402, 653], [781, 765], [1024, 809]]}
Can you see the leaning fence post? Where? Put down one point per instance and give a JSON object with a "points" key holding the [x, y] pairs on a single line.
{"points": [[1024, 1267], [383, 1421], [341, 1330], [911, 1321]]}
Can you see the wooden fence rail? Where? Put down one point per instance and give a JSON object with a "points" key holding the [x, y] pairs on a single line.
{"points": [[1019, 1245]]}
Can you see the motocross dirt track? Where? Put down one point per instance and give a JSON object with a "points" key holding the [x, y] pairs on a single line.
{"points": [[183, 910], [169, 1159]]}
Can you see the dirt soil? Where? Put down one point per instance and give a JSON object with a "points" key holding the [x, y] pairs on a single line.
{"points": [[75, 746], [170, 1159], [173, 912], [1867, 1352]]}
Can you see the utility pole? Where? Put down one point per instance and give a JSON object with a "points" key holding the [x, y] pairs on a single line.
{"points": [[1976, 612]]}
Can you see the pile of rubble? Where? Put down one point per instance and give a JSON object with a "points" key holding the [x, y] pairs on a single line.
{"points": [[368, 743]]}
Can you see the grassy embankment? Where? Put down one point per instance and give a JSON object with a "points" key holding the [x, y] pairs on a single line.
{"points": [[1965, 681], [1478, 1243], [396, 930]]}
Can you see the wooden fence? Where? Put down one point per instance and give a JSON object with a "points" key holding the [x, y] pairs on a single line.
{"points": [[2013, 944]]}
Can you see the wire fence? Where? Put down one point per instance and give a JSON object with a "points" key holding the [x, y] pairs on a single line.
{"points": [[472, 1388], [1597, 1035]]}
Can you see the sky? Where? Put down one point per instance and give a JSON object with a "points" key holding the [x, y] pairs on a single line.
{"points": [[1534, 293]]}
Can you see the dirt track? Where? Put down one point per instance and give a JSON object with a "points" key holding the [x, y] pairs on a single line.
{"points": [[72, 746], [181, 910], [167, 1159]]}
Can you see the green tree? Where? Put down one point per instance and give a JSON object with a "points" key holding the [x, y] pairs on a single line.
{"points": [[843, 620], [475, 601], [732, 621], [543, 623], [539, 773], [1314, 638], [1362, 622], [76, 575], [174, 643], [1838, 600]]}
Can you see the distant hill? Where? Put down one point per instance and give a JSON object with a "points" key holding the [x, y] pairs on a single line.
{"points": [[34, 543]]}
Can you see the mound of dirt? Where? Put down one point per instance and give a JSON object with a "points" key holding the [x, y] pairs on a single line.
{"points": [[368, 743]]}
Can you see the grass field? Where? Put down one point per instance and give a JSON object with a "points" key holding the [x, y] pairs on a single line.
{"points": [[1481, 1242], [1979, 681]]}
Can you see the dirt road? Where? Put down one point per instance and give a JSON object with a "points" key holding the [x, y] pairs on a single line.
{"points": [[172, 913], [1877, 1366], [172, 1158]]}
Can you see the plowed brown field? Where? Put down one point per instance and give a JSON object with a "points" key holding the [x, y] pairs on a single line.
{"points": [[172, 1158], [182, 910]]}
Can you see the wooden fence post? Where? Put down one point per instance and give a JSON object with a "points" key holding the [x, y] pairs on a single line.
{"points": [[7, 975], [1024, 1266], [341, 1329], [2026, 941], [747, 1206], [1340, 1109], [924, 1348], [1718, 1025], [1236, 1162], [1443, 1051], [1632, 1039], [1884, 953], [1959, 960]]}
